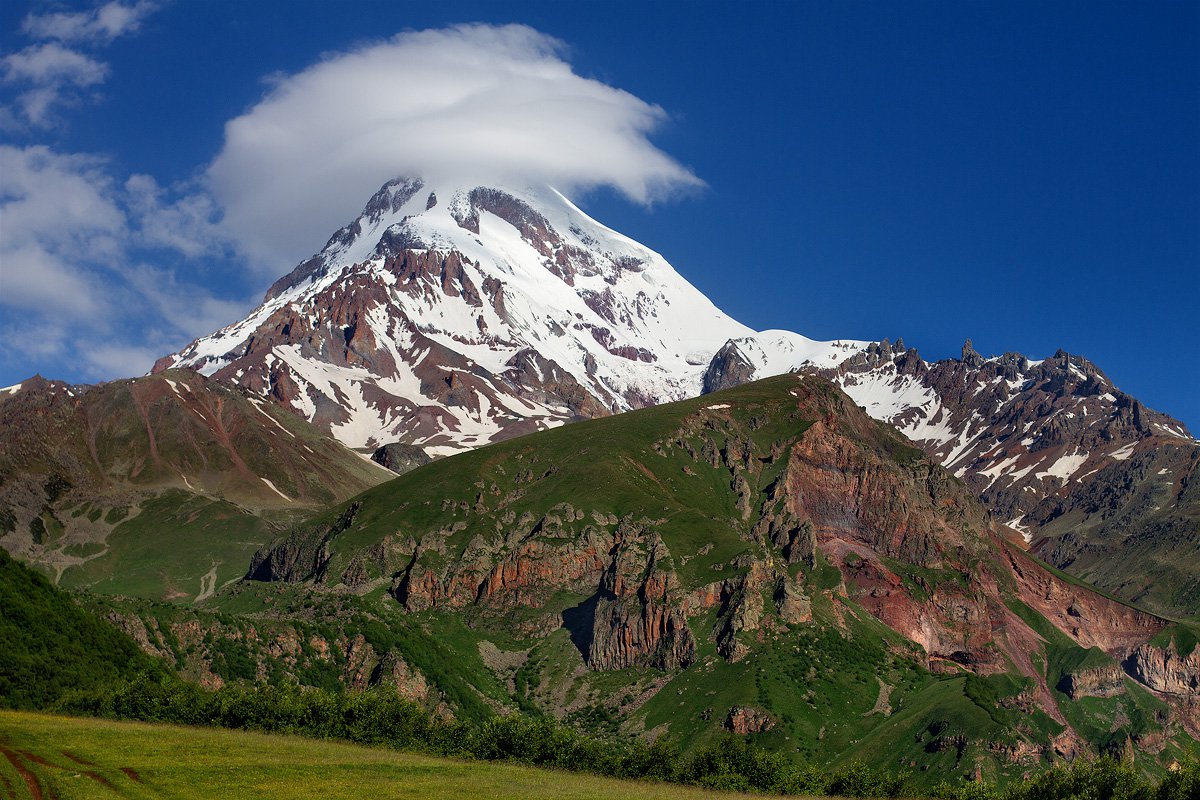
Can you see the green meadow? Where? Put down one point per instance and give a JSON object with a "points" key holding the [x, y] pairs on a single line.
{"points": [[48, 756]]}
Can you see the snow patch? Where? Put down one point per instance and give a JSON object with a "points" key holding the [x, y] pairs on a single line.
{"points": [[1123, 453], [1064, 467], [1016, 525], [276, 491], [274, 421]]}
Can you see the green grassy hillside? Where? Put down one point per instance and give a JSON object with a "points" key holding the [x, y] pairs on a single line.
{"points": [[49, 646], [766, 560], [73, 758]]}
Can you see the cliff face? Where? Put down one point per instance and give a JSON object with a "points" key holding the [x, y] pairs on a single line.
{"points": [[1165, 670], [1106, 681], [707, 529], [638, 620]]}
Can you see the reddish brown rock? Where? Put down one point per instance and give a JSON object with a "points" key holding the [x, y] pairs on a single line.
{"points": [[744, 720]]}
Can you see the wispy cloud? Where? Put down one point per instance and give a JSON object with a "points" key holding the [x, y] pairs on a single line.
{"points": [[51, 63], [99, 25], [74, 285], [75, 241], [54, 72], [475, 102]]}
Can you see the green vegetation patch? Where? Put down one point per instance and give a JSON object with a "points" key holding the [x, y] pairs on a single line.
{"points": [[49, 646], [166, 551]]}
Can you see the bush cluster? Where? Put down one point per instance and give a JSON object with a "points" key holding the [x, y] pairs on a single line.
{"points": [[1101, 779], [381, 717]]}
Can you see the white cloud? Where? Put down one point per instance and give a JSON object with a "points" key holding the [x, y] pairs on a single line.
{"points": [[473, 102], [54, 75], [69, 234], [51, 63], [102, 24], [190, 309], [36, 281], [186, 224], [64, 199]]}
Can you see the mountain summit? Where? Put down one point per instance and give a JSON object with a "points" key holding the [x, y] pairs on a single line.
{"points": [[449, 317]]}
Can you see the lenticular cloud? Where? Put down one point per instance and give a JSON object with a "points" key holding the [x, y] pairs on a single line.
{"points": [[475, 103]]}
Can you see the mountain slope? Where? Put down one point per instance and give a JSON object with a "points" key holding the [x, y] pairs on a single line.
{"points": [[1052, 447], [453, 316], [159, 485], [1144, 511], [768, 560]]}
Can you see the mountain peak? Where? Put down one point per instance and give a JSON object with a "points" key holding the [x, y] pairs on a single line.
{"points": [[415, 321]]}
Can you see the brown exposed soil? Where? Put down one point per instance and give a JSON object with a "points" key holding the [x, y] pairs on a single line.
{"points": [[35, 788], [77, 759]]}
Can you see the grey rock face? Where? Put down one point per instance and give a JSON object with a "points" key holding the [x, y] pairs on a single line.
{"points": [[400, 458]]}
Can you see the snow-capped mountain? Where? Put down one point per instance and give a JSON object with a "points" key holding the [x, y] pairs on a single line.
{"points": [[1094, 481], [450, 317]]}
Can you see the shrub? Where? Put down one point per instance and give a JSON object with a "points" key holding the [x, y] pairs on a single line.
{"points": [[1102, 779], [1183, 784], [859, 780]]}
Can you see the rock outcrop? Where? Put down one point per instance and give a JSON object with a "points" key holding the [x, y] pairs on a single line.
{"points": [[637, 619], [744, 720], [1165, 670], [400, 458], [1106, 681]]}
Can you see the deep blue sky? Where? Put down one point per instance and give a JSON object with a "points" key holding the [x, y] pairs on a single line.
{"points": [[1023, 174]]}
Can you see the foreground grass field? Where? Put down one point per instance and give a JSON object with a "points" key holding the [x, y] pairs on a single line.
{"points": [[46, 757]]}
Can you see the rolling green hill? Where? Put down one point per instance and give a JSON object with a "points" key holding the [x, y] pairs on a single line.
{"points": [[765, 560]]}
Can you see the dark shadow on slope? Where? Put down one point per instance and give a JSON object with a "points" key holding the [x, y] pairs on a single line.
{"points": [[580, 623]]}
